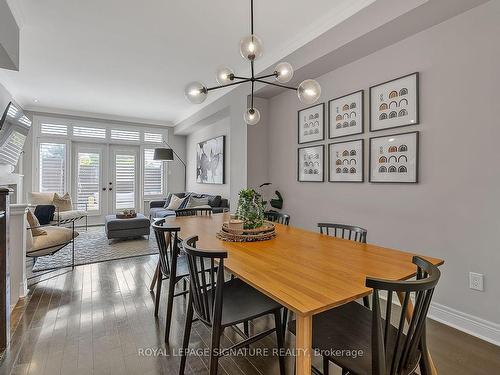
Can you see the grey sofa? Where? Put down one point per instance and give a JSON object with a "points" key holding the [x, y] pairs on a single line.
{"points": [[157, 208]]}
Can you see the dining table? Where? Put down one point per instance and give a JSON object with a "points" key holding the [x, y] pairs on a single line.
{"points": [[305, 271]]}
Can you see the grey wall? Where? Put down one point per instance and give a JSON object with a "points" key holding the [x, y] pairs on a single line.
{"points": [[258, 148], [9, 38], [5, 98], [453, 212], [209, 130]]}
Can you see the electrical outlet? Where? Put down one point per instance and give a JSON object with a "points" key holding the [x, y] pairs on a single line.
{"points": [[476, 281]]}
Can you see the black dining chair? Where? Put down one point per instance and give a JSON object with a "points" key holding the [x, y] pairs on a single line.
{"points": [[195, 211], [387, 348], [172, 267], [219, 304], [277, 217], [347, 232]]}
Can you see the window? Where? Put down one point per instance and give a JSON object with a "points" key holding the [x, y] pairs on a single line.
{"points": [[11, 150], [153, 137], [54, 129], [125, 135], [153, 174], [124, 181], [88, 181], [85, 131], [52, 167]]}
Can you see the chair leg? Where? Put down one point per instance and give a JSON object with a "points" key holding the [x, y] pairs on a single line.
{"points": [[284, 321], [214, 358], [279, 336], [158, 294], [155, 277], [366, 301], [345, 372], [170, 305], [326, 363], [187, 334]]}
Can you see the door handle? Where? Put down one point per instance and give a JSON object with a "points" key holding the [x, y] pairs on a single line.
{"points": [[110, 189], [103, 189]]}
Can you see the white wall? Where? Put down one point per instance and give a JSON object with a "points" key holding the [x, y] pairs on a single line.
{"points": [[453, 213], [208, 131], [9, 38], [5, 98]]}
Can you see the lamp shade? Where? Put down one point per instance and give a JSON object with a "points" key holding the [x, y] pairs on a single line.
{"points": [[165, 154]]}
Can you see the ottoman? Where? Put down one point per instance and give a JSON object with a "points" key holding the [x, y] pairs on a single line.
{"points": [[125, 228]]}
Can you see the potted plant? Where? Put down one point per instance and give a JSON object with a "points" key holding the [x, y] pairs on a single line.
{"points": [[250, 209], [275, 202]]}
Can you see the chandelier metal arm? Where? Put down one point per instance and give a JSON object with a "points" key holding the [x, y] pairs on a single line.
{"points": [[229, 84], [275, 84], [275, 74]]}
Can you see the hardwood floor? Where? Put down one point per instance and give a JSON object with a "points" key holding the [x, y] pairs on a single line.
{"points": [[99, 319]]}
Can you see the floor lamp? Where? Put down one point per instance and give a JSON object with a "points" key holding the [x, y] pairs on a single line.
{"points": [[167, 154]]}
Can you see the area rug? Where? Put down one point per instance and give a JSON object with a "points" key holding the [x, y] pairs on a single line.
{"points": [[92, 247]]}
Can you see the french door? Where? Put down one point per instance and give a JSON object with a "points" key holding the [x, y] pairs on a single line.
{"points": [[106, 179], [124, 167]]}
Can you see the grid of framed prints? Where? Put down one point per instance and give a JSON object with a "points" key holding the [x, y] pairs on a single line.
{"points": [[311, 124], [394, 158], [394, 103], [345, 115], [345, 161], [310, 164]]}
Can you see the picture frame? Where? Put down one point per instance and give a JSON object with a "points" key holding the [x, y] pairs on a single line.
{"points": [[346, 161], [211, 161], [311, 164], [394, 158], [395, 103], [311, 124], [346, 115]]}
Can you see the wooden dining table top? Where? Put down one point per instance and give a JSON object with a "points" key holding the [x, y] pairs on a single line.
{"points": [[305, 271]]}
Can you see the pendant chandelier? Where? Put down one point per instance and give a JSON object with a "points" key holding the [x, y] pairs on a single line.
{"points": [[251, 49]]}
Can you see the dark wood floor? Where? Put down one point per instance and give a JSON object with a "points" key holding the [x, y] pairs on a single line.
{"points": [[98, 319]]}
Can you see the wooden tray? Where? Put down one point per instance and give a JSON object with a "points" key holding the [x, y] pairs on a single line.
{"points": [[263, 233]]}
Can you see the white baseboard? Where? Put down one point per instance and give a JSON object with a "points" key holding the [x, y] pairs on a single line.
{"points": [[483, 329]]}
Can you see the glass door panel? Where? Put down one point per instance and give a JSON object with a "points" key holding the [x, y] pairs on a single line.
{"points": [[88, 181], [125, 178]]}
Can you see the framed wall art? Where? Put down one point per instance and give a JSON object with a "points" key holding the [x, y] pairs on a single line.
{"points": [[311, 127], [394, 158], [310, 164], [210, 160], [345, 161], [345, 115], [394, 103]]}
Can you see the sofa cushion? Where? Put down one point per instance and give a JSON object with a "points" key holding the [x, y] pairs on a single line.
{"points": [[36, 198], [63, 203], [214, 201], [159, 213], [44, 213], [175, 202], [194, 201], [66, 215], [56, 238], [34, 225]]}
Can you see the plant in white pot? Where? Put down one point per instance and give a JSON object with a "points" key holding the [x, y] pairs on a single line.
{"points": [[250, 209]]}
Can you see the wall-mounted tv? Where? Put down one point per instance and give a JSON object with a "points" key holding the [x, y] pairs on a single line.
{"points": [[14, 128]]}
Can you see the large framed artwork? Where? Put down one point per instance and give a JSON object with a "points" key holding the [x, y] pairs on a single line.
{"points": [[345, 161], [394, 103], [345, 115], [394, 158], [210, 160], [311, 124], [310, 164]]}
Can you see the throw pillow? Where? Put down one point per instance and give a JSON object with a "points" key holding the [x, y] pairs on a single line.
{"points": [[34, 224], [175, 202], [215, 201], [196, 202], [167, 201], [44, 213], [63, 203]]}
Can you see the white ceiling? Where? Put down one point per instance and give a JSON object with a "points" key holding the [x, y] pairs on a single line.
{"points": [[131, 59]]}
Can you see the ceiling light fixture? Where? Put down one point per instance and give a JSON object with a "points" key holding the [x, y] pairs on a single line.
{"points": [[251, 49]]}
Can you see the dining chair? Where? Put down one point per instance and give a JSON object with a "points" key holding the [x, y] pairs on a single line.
{"points": [[172, 267], [347, 232], [219, 304], [395, 349], [195, 211], [277, 217]]}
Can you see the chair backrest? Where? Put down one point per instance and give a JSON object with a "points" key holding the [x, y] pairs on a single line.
{"points": [[348, 232], [396, 349], [277, 217], [205, 211], [168, 246], [206, 281]]}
